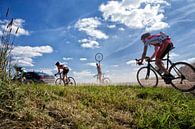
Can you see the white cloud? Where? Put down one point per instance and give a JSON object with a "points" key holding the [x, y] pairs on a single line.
{"points": [[17, 23], [123, 75], [83, 59], [23, 55], [89, 26], [84, 76], [131, 62], [22, 61], [136, 14], [92, 64], [111, 26], [88, 43], [121, 29], [48, 71], [173, 55], [115, 66], [67, 58], [190, 60]]}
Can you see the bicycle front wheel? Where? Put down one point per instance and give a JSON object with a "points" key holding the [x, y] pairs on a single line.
{"points": [[71, 81], [59, 81], [184, 76], [147, 77]]}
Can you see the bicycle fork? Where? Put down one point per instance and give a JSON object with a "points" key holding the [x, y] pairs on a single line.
{"points": [[148, 72]]}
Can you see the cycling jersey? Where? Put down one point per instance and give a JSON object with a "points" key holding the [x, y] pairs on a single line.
{"points": [[64, 68], [155, 40]]}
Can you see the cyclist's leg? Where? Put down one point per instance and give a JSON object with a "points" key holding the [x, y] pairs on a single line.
{"points": [[163, 50], [100, 77]]}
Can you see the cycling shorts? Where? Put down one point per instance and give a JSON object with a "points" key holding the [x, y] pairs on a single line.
{"points": [[165, 47]]}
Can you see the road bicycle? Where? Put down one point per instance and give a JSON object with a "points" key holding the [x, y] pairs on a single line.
{"points": [[104, 80], [67, 81], [183, 75], [23, 80]]}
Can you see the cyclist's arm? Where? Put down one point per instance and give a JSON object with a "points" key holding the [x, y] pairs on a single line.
{"points": [[144, 53], [58, 72]]}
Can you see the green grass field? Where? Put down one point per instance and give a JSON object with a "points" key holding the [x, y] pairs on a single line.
{"points": [[97, 107]]}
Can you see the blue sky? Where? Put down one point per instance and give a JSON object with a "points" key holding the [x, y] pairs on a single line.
{"points": [[73, 31]]}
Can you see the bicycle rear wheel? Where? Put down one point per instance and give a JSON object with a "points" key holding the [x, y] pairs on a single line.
{"points": [[147, 77], [106, 81], [59, 81], [184, 76], [71, 81]]}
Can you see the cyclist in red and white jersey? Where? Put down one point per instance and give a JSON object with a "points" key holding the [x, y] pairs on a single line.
{"points": [[162, 45]]}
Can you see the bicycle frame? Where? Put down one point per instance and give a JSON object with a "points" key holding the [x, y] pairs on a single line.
{"points": [[150, 66], [61, 76], [102, 77]]}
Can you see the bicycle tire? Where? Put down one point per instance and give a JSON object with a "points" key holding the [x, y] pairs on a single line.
{"points": [[59, 81], [106, 80], [28, 82], [99, 57], [147, 81], [71, 81], [184, 76]]}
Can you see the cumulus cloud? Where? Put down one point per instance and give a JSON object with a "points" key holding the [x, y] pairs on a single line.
{"points": [[136, 14], [23, 55], [88, 43], [89, 26], [18, 25]]}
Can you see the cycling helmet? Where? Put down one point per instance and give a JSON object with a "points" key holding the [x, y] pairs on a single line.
{"points": [[57, 63], [145, 36]]}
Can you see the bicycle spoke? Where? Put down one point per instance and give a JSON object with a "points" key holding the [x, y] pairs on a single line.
{"points": [[147, 78], [184, 76]]}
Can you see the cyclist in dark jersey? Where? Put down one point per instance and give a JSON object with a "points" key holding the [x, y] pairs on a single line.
{"points": [[162, 45], [62, 68]]}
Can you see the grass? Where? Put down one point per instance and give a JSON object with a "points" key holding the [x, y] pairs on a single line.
{"points": [[86, 107]]}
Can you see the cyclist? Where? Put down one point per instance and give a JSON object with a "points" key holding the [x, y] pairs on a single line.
{"points": [[20, 72], [62, 68], [162, 45], [99, 71]]}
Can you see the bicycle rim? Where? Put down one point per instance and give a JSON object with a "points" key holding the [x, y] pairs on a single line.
{"points": [[59, 81], [106, 81], [184, 76], [99, 57], [71, 81], [146, 80]]}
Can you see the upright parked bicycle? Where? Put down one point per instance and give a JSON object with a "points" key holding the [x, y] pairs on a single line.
{"points": [[67, 81], [183, 80]]}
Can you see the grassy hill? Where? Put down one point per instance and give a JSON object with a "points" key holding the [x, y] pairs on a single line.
{"points": [[83, 107]]}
